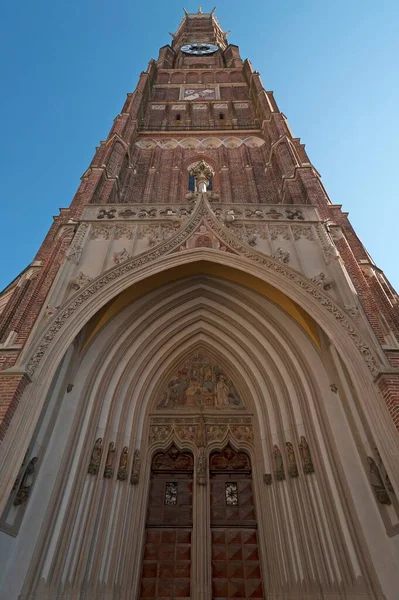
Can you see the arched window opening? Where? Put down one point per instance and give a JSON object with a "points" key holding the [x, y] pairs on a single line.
{"points": [[192, 185]]}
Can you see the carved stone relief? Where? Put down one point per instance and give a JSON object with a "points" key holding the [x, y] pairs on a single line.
{"points": [[203, 238], [109, 465], [24, 485], [101, 232], [74, 251], [281, 256], [278, 464], [302, 231], [229, 460], [202, 212], [377, 482], [122, 470], [120, 257], [173, 460], [134, 478], [201, 430], [306, 457], [95, 459], [80, 281], [200, 382], [322, 281], [292, 468], [123, 231], [277, 231], [156, 234]]}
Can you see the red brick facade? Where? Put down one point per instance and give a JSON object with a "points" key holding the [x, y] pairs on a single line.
{"points": [[279, 171]]}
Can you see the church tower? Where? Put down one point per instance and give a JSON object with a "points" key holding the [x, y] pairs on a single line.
{"points": [[199, 384]]}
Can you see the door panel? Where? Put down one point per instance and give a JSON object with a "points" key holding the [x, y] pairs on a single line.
{"points": [[235, 555]]}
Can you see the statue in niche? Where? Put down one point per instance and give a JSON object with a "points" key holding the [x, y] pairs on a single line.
{"points": [[134, 479], [292, 468], [200, 383], [384, 473], [96, 457], [109, 465], [122, 470], [305, 456], [25, 487], [377, 483], [278, 464]]}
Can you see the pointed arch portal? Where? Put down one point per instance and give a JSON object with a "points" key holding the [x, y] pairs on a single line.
{"points": [[202, 358]]}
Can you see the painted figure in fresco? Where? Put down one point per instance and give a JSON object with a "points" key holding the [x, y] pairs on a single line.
{"points": [[200, 383], [222, 392]]}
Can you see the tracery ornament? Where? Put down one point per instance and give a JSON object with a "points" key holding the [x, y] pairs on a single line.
{"points": [[134, 478], [292, 468], [278, 464], [299, 231], [74, 251], [109, 465], [173, 460], [24, 485], [95, 458], [122, 470], [123, 231], [377, 482], [295, 214], [306, 456], [229, 460], [101, 232], [279, 231], [201, 212]]}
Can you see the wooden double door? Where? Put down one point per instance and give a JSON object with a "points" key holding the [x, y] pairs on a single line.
{"points": [[167, 570]]}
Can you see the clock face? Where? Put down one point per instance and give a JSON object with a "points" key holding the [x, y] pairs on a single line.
{"points": [[199, 48]]}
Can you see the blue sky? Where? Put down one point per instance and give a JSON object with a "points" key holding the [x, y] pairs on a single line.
{"points": [[66, 66]]}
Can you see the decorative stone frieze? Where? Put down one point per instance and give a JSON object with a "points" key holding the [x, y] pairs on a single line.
{"points": [[203, 212]]}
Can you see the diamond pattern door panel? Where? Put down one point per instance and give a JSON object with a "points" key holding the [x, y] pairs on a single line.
{"points": [[166, 571], [235, 555]]}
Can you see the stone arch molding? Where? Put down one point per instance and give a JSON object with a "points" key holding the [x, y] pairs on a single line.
{"points": [[229, 251]]}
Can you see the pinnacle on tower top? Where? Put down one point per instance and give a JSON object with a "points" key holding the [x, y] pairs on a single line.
{"points": [[203, 24]]}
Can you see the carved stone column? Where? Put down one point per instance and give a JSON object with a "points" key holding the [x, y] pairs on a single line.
{"points": [[202, 173], [202, 561]]}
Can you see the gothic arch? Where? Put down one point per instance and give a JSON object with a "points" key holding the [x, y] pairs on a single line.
{"points": [[116, 401], [62, 330]]}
